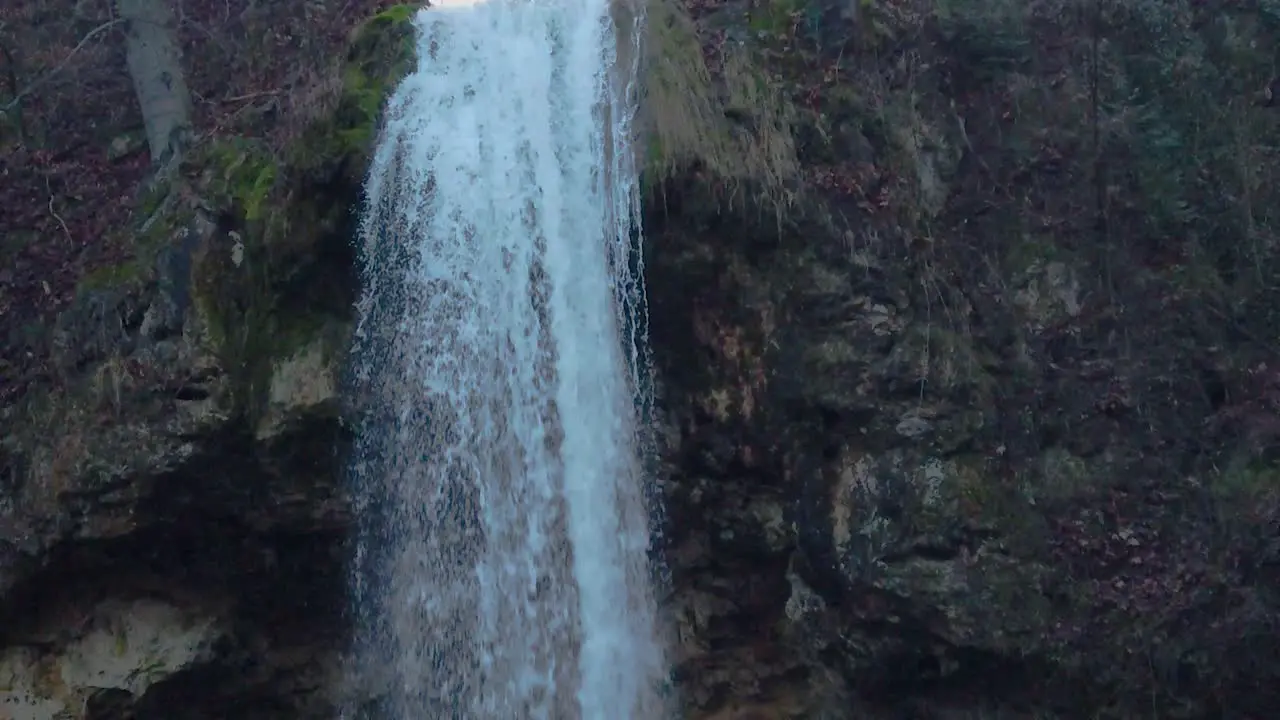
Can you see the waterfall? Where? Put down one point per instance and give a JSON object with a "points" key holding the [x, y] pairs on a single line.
{"points": [[502, 565]]}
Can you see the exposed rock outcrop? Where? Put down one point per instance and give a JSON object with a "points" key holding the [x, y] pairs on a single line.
{"points": [[173, 524], [926, 467], [924, 454]]}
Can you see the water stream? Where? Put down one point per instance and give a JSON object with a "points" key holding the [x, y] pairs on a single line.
{"points": [[502, 567]]}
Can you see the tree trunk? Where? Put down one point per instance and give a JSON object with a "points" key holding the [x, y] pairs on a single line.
{"points": [[155, 64]]}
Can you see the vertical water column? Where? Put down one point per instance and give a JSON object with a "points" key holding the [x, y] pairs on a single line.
{"points": [[502, 565]]}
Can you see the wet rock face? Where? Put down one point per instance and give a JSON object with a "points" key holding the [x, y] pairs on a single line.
{"points": [[172, 525], [190, 620], [141, 424], [837, 517], [856, 513], [877, 495], [730, 491], [123, 650]]}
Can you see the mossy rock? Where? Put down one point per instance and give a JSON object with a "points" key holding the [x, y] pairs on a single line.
{"points": [[159, 218], [257, 298], [254, 228], [239, 175], [777, 18], [382, 52], [245, 317], [116, 275]]}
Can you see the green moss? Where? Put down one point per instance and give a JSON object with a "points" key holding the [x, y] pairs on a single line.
{"points": [[241, 174], [269, 337], [112, 276], [148, 241], [396, 14], [382, 52], [991, 37], [151, 198], [216, 325], [234, 304], [1246, 483], [243, 299], [656, 163], [1027, 250], [246, 300], [1061, 477], [774, 17]]}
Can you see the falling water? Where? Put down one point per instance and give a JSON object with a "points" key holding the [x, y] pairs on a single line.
{"points": [[502, 567]]}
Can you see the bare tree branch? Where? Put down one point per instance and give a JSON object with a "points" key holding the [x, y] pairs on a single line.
{"points": [[17, 98], [49, 187]]}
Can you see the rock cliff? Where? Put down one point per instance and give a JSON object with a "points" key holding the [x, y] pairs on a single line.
{"points": [[963, 426], [944, 434], [173, 521]]}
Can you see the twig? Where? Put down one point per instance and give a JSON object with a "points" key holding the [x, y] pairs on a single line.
{"points": [[250, 96], [62, 65], [49, 188]]}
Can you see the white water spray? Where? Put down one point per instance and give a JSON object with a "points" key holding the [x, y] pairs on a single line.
{"points": [[502, 567]]}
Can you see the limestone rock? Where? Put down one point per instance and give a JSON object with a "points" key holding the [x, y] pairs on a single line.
{"points": [[121, 648]]}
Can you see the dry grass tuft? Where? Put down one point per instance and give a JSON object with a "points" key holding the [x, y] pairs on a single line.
{"points": [[731, 122]]}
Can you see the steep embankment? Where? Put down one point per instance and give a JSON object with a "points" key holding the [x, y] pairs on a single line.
{"points": [[970, 398]]}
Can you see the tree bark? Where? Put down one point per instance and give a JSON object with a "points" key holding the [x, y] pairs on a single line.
{"points": [[155, 64]]}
